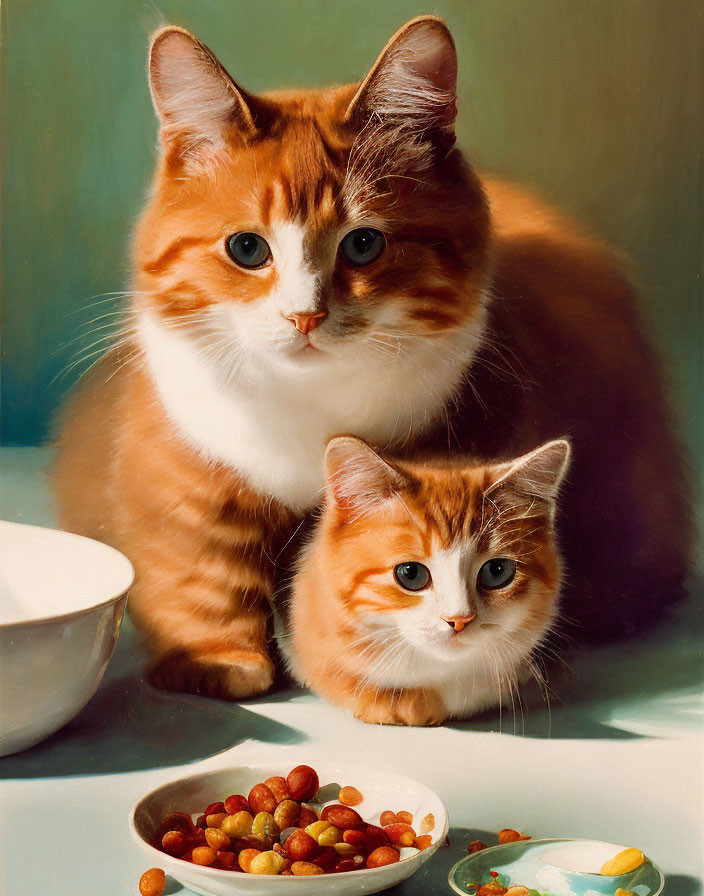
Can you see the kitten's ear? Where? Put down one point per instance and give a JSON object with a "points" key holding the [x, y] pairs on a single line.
{"points": [[413, 83], [192, 93], [536, 475], [357, 479]]}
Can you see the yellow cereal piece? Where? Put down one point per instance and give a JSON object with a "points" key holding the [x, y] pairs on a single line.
{"points": [[269, 862], [317, 827], [621, 892], [627, 860], [330, 836], [237, 825]]}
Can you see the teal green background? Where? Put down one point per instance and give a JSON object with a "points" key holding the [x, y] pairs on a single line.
{"points": [[598, 105]]}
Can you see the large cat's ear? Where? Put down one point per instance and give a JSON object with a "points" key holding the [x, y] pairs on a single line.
{"points": [[357, 479], [413, 83], [193, 95], [538, 474]]}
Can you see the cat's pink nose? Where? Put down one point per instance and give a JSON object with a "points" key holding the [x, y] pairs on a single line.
{"points": [[458, 622], [304, 323]]}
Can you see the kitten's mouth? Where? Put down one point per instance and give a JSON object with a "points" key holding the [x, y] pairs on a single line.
{"points": [[306, 350]]}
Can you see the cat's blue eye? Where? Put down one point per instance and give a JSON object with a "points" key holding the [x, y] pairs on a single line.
{"points": [[496, 573], [412, 576], [362, 246], [248, 250]]}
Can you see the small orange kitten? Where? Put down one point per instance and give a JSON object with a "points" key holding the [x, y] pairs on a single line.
{"points": [[426, 587]]}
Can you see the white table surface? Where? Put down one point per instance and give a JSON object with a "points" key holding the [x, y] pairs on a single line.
{"points": [[622, 761]]}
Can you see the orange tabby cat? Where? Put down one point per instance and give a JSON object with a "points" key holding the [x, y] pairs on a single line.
{"points": [[317, 262], [426, 587]]}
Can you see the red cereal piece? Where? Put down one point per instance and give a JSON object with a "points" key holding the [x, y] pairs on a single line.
{"points": [[327, 859], [476, 846], [384, 855], [215, 809], [152, 882], [302, 782], [226, 858], [177, 821], [508, 835], [279, 788], [350, 796], [197, 837], [175, 843], [375, 837], [301, 847], [355, 838], [492, 889], [343, 817], [306, 817], [236, 803], [261, 799], [203, 855], [353, 864], [305, 869], [400, 834]]}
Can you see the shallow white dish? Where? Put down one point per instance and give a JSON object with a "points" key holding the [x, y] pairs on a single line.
{"points": [[526, 863], [382, 790], [62, 598]]}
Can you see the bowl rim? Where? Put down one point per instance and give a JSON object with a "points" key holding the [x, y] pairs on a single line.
{"points": [[451, 872], [226, 874], [71, 614]]}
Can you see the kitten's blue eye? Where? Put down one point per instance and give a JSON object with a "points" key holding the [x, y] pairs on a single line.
{"points": [[362, 246], [496, 573], [248, 250], [412, 576]]}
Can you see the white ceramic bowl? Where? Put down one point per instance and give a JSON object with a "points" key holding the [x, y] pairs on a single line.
{"points": [[61, 603], [382, 790]]}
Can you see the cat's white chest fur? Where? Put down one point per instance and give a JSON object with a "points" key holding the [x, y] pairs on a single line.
{"points": [[274, 430]]}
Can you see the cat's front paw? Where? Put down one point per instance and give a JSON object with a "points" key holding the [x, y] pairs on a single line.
{"points": [[231, 675], [413, 707]]}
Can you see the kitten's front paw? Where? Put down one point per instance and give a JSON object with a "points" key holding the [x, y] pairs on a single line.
{"points": [[231, 675], [413, 707]]}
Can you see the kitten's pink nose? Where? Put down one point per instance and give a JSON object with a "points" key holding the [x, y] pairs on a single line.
{"points": [[304, 323], [458, 622]]}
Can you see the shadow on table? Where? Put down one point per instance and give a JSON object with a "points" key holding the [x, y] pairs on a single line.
{"points": [[648, 686], [681, 885], [130, 726]]}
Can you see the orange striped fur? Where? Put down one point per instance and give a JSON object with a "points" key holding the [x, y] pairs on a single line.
{"points": [[390, 655], [203, 544], [486, 325]]}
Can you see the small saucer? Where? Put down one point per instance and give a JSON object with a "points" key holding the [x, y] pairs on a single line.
{"points": [[519, 864]]}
